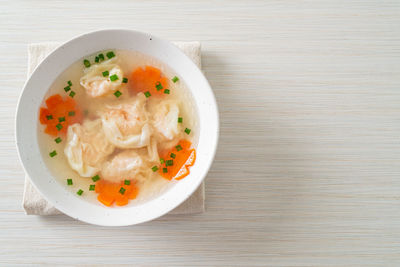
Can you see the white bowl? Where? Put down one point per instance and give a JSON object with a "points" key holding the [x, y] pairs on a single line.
{"points": [[68, 53]]}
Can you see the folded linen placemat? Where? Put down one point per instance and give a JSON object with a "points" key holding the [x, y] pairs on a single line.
{"points": [[35, 204]]}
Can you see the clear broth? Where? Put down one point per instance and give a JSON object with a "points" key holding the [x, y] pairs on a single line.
{"points": [[128, 61]]}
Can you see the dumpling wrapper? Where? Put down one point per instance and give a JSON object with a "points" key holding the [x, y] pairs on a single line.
{"points": [[87, 147], [164, 120], [96, 84], [126, 165], [152, 150], [126, 125], [164, 116]]}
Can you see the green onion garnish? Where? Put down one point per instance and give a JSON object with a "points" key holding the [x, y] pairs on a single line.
{"points": [[122, 190], [159, 86], [166, 91], [95, 178], [147, 94], [175, 79], [49, 117], [69, 181], [69, 83], [164, 170], [113, 77], [117, 93], [173, 155], [180, 120], [91, 187], [169, 162], [53, 153], [125, 80], [187, 130], [86, 63], [106, 73], [58, 140], [127, 182], [59, 126], [96, 59], [61, 119], [110, 54], [162, 161], [80, 192], [71, 113], [178, 148], [72, 94], [86, 112], [101, 56], [154, 168], [67, 88]]}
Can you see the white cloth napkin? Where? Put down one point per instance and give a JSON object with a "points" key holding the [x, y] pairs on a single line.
{"points": [[35, 204]]}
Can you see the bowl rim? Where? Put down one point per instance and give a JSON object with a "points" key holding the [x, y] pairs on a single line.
{"points": [[21, 149]]}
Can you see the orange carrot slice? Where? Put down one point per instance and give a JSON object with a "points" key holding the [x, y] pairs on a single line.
{"points": [[105, 199], [110, 193], [143, 80], [184, 171], [184, 158], [57, 109]]}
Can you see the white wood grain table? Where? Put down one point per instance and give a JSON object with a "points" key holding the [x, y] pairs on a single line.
{"points": [[307, 171]]}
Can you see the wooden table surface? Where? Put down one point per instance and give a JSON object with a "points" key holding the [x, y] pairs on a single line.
{"points": [[308, 164]]}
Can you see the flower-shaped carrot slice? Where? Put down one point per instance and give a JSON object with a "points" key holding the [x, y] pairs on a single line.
{"points": [[148, 79]]}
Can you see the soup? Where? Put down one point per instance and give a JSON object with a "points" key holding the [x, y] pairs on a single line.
{"points": [[118, 127]]}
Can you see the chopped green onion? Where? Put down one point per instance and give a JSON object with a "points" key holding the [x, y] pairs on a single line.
{"points": [[53, 153], [58, 140], [72, 94], [159, 86], [69, 83], [164, 170], [113, 77], [127, 182], [86, 63], [71, 113], [80, 192], [154, 168], [101, 56], [180, 120], [173, 155], [117, 93], [169, 162], [95, 178], [67, 88], [178, 148], [175, 79], [49, 117], [59, 126], [61, 119], [147, 94], [91, 187], [69, 181], [86, 112], [106, 73], [166, 91], [162, 161], [125, 80], [187, 130], [96, 59], [110, 54], [122, 190]]}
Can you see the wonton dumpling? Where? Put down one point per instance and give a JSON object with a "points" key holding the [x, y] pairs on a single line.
{"points": [[96, 84], [128, 164], [126, 125], [165, 119], [87, 147]]}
